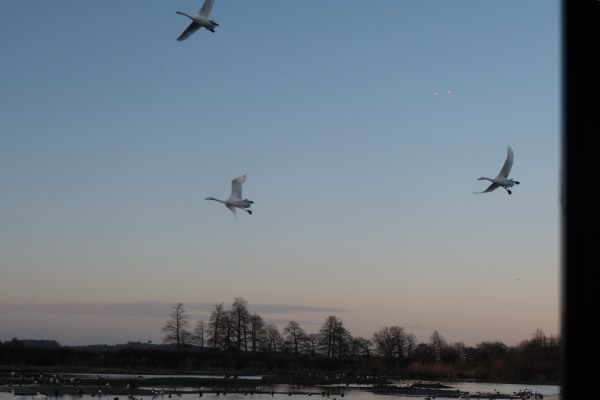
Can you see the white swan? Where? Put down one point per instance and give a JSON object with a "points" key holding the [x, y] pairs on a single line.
{"points": [[235, 199], [199, 20], [502, 179]]}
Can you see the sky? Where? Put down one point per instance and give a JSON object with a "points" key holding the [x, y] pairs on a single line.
{"points": [[362, 133]]}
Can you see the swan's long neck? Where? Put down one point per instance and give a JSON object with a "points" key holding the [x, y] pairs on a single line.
{"points": [[190, 17], [219, 200], [483, 177]]}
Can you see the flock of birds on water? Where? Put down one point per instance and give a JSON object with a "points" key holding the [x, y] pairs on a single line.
{"points": [[235, 200]]}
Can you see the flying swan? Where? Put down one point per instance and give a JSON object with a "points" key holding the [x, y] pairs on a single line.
{"points": [[235, 200], [199, 20], [502, 179]]}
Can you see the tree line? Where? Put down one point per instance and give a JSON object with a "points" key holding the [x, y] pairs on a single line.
{"points": [[238, 330], [235, 341]]}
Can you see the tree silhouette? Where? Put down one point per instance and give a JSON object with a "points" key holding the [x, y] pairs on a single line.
{"points": [[294, 336], [176, 327]]}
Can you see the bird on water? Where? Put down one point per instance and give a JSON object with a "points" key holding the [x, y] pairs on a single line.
{"points": [[200, 20], [502, 180], [236, 200]]}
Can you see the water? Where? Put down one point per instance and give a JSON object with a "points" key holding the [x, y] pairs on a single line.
{"points": [[145, 376], [550, 392]]}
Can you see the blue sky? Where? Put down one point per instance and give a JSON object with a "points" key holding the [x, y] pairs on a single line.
{"points": [[362, 131]]}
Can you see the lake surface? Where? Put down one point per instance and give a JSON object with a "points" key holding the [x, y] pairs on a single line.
{"points": [[281, 392]]}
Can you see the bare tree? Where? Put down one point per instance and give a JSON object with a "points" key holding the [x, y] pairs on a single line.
{"points": [[411, 344], [539, 338], [326, 336], [240, 315], [334, 339], [198, 334], [274, 341], [343, 340], [438, 343], [311, 342], [226, 330], [460, 350], [384, 341], [391, 341], [294, 336], [176, 327], [257, 332], [214, 325], [423, 353], [488, 350], [360, 347]]}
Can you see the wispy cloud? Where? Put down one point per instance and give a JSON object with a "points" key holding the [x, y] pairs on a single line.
{"points": [[151, 309]]}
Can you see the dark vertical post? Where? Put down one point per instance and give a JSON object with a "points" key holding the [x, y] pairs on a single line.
{"points": [[580, 206]]}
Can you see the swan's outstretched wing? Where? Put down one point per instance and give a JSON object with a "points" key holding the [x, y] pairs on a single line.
{"points": [[206, 8], [236, 187], [490, 188], [193, 27], [507, 164]]}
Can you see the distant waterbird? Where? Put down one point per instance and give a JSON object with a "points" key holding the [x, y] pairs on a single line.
{"points": [[200, 20], [236, 200], [502, 180]]}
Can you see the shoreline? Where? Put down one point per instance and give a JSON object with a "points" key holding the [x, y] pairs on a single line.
{"points": [[162, 391]]}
